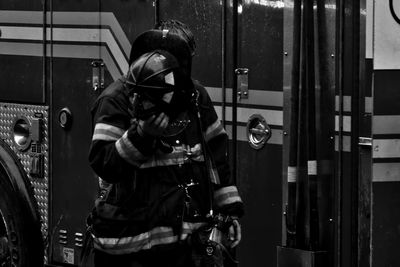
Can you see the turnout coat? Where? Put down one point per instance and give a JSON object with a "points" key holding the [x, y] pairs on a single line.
{"points": [[148, 197]]}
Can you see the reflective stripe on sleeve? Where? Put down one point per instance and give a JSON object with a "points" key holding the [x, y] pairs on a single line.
{"points": [[213, 130], [128, 151], [106, 132], [226, 195]]}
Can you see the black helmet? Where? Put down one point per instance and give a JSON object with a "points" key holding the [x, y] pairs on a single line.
{"points": [[165, 40], [159, 84]]}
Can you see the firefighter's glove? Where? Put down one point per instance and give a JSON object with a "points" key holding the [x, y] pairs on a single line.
{"points": [[235, 233], [153, 126]]}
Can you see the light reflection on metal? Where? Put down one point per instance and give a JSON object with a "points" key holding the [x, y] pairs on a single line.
{"points": [[21, 132], [273, 4], [240, 9], [327, 6], [291, 5]]}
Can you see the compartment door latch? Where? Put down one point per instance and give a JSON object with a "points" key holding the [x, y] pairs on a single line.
{"points": [[242, 76], [97, 74]]}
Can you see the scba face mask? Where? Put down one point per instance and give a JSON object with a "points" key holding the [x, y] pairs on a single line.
{"points": [[159, 85]]}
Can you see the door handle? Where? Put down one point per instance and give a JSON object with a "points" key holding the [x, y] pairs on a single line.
{"points": [[258, 131]]}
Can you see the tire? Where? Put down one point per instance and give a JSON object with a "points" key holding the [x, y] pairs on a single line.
{"points": [[21, 242]]}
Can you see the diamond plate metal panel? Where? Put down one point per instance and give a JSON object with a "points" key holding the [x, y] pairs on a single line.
{"points": [[8, 114]]}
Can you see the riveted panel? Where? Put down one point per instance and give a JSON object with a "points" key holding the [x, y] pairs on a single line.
{"points": [[9, 113]]}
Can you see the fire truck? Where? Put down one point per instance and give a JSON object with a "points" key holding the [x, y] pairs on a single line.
{"points": [[307, 90]]}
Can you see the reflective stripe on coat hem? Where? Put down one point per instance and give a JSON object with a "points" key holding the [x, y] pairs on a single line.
{"points": [[157, 236]]}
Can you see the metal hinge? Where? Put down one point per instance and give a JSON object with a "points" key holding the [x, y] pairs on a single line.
{"points": [[242, 76], [97, 74], [365, 141]]}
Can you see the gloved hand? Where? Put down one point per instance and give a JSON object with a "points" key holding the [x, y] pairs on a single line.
{"points": [[153, 126], [235, 232]]}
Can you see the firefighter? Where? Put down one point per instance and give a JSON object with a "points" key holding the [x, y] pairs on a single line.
{"points": [[160, 151]]}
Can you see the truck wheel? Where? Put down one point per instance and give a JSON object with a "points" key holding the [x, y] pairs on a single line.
{"points": [[21, 242]]}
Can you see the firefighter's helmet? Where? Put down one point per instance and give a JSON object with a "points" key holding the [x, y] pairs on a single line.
{"points": [[165, 40], [159, 85]]}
